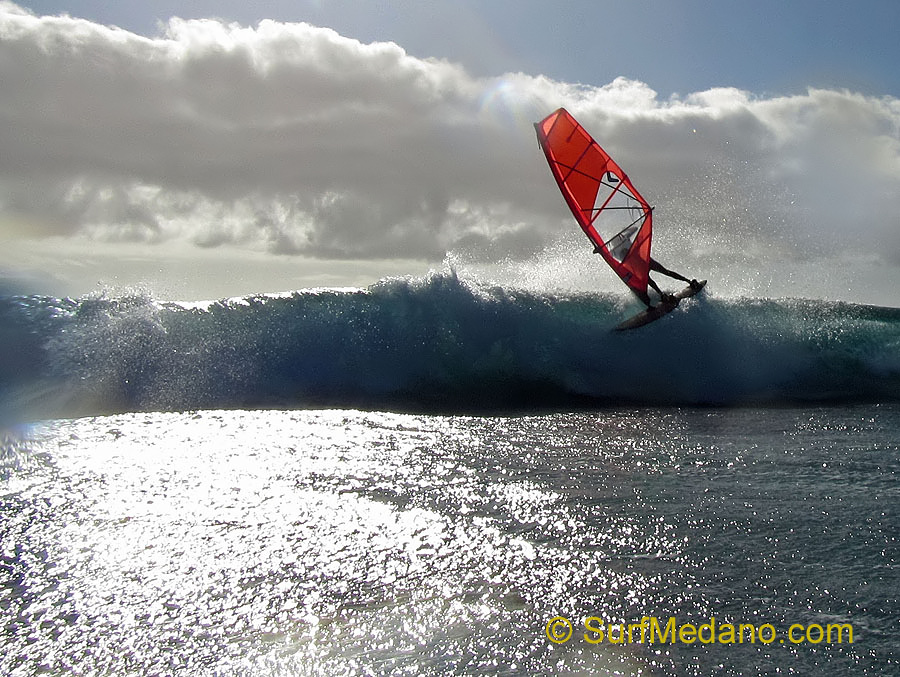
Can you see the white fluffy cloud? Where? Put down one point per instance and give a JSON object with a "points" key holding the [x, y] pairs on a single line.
{"points": [[290, 138]]}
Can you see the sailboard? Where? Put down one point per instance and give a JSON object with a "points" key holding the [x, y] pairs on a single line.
{"points": [[664, 308], [605, 203], [610, 210]]}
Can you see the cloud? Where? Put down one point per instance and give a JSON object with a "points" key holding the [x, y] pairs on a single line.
{"points": [[292, 139]]}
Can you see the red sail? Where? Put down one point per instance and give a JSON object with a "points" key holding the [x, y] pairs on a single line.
{"points": [[609, 209]]}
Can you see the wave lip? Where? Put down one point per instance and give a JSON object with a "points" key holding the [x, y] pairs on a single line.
{"points": [[437, 343]]}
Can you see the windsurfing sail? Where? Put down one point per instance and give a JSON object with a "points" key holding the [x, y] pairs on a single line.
{"points": [[607, 206]]}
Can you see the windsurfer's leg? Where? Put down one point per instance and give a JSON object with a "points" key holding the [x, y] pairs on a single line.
{"points": [[646, 298], [659, 268], [663, 297]]}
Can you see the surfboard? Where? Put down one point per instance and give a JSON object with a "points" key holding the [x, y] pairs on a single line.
{"points": [[664, 308]]}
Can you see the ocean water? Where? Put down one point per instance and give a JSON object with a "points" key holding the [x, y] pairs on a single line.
{"points": [[419, 477]]}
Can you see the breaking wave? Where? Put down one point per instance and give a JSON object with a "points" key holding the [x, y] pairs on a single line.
{"points": [[437, 344]]}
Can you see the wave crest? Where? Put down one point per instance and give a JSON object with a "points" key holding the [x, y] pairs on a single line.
{"points": [[437, 343]]}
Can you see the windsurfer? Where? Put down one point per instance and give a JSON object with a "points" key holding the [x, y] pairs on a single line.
{"points": [[657, 267], [597, 190]]}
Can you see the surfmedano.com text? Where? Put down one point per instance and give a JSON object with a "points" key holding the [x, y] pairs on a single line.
{"points": [[650, 630]]}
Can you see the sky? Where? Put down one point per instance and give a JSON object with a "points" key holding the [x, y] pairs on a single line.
{"points": [[208, 149]]}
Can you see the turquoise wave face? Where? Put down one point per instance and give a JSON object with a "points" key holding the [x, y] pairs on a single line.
{"points": [[436, 344]]}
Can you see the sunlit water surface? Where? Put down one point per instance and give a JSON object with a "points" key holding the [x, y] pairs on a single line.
{"points": [[348, 542]]}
